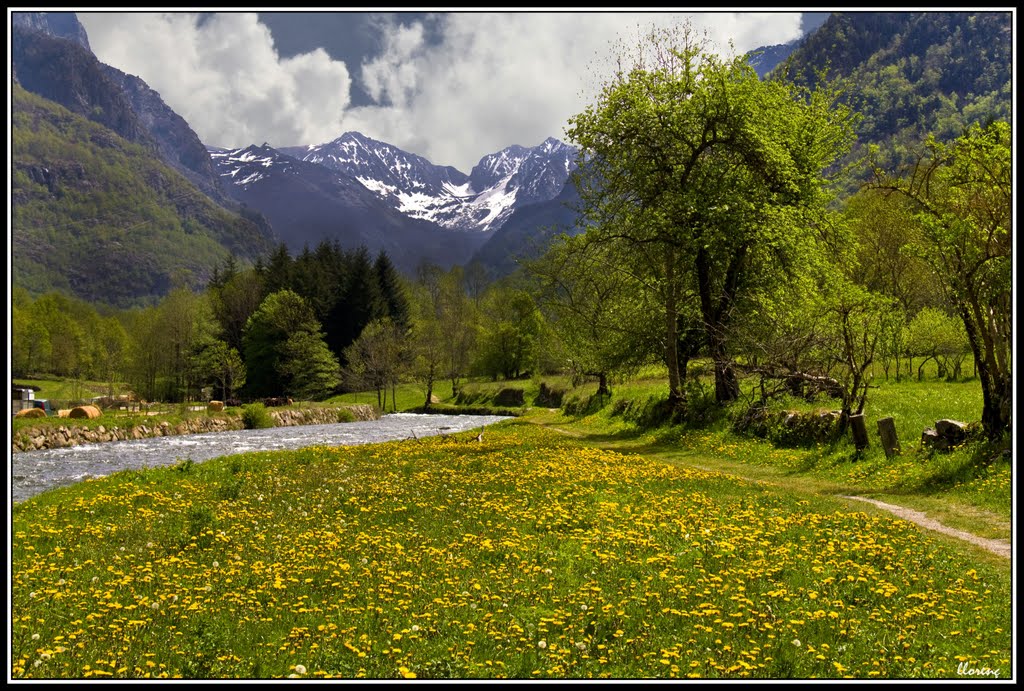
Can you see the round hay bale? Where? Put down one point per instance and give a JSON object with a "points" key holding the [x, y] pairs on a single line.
{"points": [[85, 411], [31, 412], [64, 412], [215, 407]]}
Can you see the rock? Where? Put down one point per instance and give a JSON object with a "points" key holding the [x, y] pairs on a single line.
{"points": [[953, 430]]}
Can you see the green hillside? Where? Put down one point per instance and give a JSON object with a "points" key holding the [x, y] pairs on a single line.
{"points": [[103, 219], [910, 74]]}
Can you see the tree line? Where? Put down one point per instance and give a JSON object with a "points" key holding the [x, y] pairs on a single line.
{"points": [[713, 227]]}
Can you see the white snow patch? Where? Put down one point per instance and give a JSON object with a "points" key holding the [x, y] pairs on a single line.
{"points": [[377, 187], [250, 179], [462, 191]]}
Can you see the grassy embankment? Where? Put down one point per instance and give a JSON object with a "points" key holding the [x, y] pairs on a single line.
{"points": [[564, 545]]}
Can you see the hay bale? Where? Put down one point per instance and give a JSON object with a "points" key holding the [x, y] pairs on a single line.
{"points": [[31, 412], [64, 412], [85, 411], [215, 407]]}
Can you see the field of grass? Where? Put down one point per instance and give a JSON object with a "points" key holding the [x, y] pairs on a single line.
{"points": [[530, 555], [570, 543], [969, 488]]}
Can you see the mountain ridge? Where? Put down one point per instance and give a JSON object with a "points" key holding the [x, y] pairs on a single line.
{"points": [[480, 201]]}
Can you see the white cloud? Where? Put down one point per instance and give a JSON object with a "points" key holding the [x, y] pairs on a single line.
{"points": [[500, 79], [493, 80], [225, 77]]}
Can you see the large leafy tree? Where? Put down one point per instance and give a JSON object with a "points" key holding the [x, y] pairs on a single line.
{"points": [[963, 194], [308, 367], [693, 160], [443, 332], [510, 333], [375, 359], [595, 308], [274, 350]]}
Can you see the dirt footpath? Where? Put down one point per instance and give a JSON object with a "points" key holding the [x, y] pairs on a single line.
{"points": [[1000, 547]]}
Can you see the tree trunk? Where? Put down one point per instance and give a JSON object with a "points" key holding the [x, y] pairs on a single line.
{"points": [[996, 388], [715, 307], [676, 396], [727, 387]]}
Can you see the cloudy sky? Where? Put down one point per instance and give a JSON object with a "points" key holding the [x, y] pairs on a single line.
{"points": [[450, 86]]}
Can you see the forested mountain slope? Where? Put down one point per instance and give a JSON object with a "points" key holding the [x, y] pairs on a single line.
{"points": [[103, 219]]}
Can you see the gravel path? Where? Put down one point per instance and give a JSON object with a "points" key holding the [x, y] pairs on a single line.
{"points": [[1000, 547]]}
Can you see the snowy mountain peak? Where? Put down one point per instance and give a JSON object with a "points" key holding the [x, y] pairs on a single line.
{"points": [[247, 165], [481, 201]]}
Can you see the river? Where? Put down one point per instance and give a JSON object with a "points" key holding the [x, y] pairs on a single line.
{"points": [[33, 472]]}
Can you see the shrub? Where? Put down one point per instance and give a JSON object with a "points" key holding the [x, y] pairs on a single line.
{"points": [[510, 397], [256, 416], [346, 415], [651, 412], [581, 406], [549, 396]]}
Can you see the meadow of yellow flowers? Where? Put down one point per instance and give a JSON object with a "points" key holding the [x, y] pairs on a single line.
{"points": [[527, 555]]}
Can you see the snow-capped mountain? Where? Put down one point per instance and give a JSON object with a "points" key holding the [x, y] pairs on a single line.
{"points": [[307, 203], [481, 201]]}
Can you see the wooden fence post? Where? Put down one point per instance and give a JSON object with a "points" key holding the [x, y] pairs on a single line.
{"points": [[859, 430], [890, 442]]}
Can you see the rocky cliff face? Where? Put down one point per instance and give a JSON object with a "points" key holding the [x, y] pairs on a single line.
{"points": [[177, 143], [67, 73], [58, 24]]}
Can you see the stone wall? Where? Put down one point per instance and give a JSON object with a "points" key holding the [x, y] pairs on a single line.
{"points": [[48, 437]]}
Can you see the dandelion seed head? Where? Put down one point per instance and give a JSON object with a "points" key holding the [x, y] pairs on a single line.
{"points": [[35, 637], [542, 644]]}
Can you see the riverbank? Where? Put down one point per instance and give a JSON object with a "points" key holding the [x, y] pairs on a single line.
{"points": [[68, 433]]}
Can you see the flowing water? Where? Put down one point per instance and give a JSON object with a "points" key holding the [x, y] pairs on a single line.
{"points": [[33, 472]]}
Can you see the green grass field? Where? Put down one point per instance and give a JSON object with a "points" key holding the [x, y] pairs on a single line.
{"points": [[563, 546], [530, 555]]}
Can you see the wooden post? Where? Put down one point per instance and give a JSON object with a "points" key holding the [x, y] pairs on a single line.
{"points": [[859, 430], [890, 442]]}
